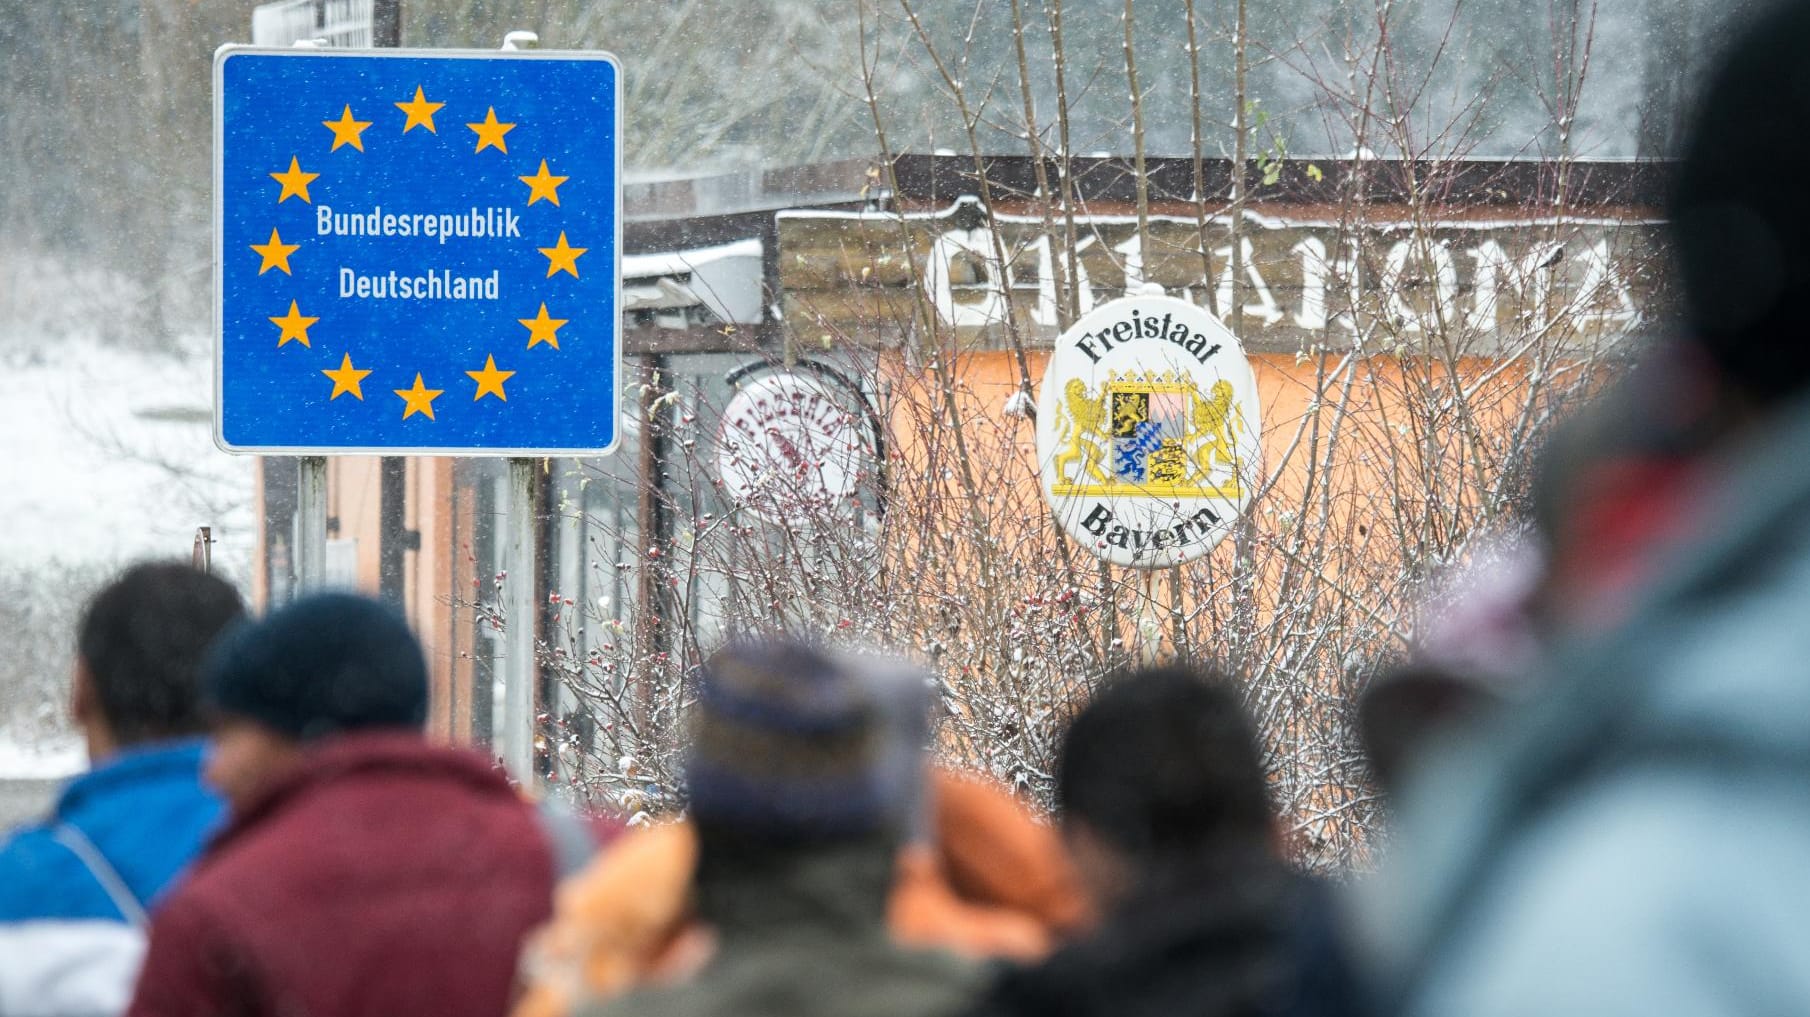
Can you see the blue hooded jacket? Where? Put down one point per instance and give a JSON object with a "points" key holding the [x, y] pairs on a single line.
{"points": [[74, 889], [1633, 840]]}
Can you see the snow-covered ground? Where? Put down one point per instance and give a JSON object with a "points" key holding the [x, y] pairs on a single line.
{"points": [[51, 761], [109, 457], [106, 457]]}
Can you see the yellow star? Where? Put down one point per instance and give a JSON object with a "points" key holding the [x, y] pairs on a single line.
{"points": [[294, 326], [420, 399], [346, 131], [490, 380], [542, 329], [420, 112], [490, 133], [562, 257], [543, 185], [346, 379], [295, 182], [276, 254]]}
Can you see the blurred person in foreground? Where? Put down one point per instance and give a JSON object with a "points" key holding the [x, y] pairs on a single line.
{"points": [[1481, 629], [799, 806], [1613, 495], [1632, 841], [976, 874], [1165, 809], [75, 889], [364, 870]]}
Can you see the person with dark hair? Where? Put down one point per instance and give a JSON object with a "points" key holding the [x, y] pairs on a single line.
{"points": [[1191, 796], [363, 871], [1408, 708], [75, 889], [1632, 839], [1166, 811], [799, 806]]}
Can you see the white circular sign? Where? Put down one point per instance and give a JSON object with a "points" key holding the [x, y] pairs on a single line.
{"points": [[1147, 431], [792, 447]]}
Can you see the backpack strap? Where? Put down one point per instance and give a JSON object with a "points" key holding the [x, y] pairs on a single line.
{"points": [[130, 907]]}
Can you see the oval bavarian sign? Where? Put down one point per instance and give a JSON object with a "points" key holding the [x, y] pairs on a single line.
{"points": [[1147, 431]]}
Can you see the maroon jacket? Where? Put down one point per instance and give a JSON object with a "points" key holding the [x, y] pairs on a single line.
{"points": [[387, 877]]}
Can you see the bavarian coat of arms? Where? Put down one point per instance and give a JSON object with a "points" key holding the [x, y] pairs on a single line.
{"points": [[1147, 431]]}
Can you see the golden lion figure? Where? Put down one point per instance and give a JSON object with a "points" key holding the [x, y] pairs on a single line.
{"points": [[1077, 429], [1215, 420]]}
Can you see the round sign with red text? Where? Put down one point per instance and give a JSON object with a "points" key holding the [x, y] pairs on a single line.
{"points": [[793, 448]]}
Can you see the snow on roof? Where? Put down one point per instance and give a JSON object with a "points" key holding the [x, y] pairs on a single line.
{"points": [[726, 279], [1259, 219], [646, 266]]}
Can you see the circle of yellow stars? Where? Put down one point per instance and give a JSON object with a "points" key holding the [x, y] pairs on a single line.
{"points": [[348, 131]]}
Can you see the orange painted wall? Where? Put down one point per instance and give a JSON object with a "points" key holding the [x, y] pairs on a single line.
{"points": [[1400, 481], [353, 500]]}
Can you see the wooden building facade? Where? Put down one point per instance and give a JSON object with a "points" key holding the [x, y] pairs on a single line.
{"points": [[844, 262]]}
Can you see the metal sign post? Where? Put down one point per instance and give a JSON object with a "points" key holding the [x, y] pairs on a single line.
{"points": [[311, 524], [1150, 622], [417, 252], [202, 558], [519, 612]]}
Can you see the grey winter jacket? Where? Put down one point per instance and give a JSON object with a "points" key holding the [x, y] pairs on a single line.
{"points": [[1637, 842]]}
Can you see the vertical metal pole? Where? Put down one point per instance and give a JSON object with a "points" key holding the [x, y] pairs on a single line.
{"points": [[516, 736], [203, 557], [1150, 623], [386, 23], [311, 524], [392, 531], [652, 530]]}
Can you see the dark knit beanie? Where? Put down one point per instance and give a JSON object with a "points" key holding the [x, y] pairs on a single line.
{"points": [[1740, 211], [787, 746], [325, 664]]}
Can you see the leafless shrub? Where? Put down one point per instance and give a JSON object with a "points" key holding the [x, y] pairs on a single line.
{"points": [[1400, 431], [39, 606]]}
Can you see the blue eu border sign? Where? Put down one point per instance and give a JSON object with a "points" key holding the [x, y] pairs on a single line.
{"points": [[417, 252]]}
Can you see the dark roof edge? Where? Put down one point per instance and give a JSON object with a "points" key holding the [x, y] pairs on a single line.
{"points": [[1475, 182]]}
